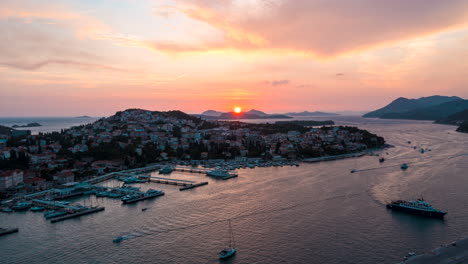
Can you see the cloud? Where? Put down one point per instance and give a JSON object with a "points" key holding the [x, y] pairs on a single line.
{"points": [[37, 35], [279, 82], [316, 27], [22, 65]]}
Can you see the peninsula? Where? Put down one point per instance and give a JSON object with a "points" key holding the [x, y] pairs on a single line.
{"points": [[136, 137]]}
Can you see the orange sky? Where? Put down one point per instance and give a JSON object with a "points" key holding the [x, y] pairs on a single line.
{"points": [[68, 57]]}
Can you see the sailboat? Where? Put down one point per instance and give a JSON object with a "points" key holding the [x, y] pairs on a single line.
{"points": [[230, 251]]}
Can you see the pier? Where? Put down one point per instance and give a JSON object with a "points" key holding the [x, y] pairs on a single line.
{"points": [[191, 169], [77, 214], [55, 205], [186, 185]]}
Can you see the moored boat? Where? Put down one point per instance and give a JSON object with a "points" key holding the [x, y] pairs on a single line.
{"points": [[21, 206], [218, 173], [7, 210], [166, 170], [37, 208]]}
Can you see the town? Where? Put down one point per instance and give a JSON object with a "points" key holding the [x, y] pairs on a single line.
{"points": [[135, 138]]}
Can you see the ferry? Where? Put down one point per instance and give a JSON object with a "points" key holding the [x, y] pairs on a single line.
{"points": [[419, 207]]}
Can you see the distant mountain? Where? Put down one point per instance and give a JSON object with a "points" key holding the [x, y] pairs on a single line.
{"points": [[434, 112], [256, 112], [211, 113], [249, 115], [85, 116], [307, 113], [402, 105]]}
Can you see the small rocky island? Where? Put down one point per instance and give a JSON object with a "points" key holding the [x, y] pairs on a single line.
{"points": [[34, 124]]}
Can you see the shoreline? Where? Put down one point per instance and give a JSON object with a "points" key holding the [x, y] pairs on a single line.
{"points": [[455, 252]]}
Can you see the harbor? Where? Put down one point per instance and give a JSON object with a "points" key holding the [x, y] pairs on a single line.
{"points": [[321, 200]]}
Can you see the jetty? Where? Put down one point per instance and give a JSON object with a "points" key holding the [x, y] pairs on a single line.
{"points": [[6, 231], [77, 214], [191, 169], [56, 205], [186, 185]]}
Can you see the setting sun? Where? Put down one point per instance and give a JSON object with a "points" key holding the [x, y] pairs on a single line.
{"points": [[237, 109]]}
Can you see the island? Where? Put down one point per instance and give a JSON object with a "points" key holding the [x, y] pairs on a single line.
{"points": [[85, 116], [28, 125]]}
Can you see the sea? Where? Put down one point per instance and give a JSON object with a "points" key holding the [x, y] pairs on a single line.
{"points": [[315, 213], [48, 124]]}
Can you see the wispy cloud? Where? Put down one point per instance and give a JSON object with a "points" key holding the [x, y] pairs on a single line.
{"points": [[279, 82]]}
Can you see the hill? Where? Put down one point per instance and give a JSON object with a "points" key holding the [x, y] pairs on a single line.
{"points": [[454, 119], [5, 130], [211, 113], [435, 112], [460, 119], [307, 113], [402, 105]]}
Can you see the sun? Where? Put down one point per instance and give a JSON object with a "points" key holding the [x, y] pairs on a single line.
{"points": [[237, 109]]}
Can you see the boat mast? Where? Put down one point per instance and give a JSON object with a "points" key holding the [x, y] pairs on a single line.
{"points": [[231, 237]]}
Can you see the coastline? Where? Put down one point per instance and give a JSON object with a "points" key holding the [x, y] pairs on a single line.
{"points": [[455, 252]]}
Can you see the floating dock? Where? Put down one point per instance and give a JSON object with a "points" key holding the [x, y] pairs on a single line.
{"points": [[6, 231], [144, 198], [77, 214], [191, 186], [186, 185]]}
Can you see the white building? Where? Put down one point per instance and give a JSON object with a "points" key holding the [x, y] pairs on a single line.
{"points": [[10, 178]]}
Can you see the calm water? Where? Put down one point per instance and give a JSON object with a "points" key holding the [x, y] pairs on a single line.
{"points": [[315, 213], [49, 124]]}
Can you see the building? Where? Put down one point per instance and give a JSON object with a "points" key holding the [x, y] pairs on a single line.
{"points": [[10, 178], [64, 177]]}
